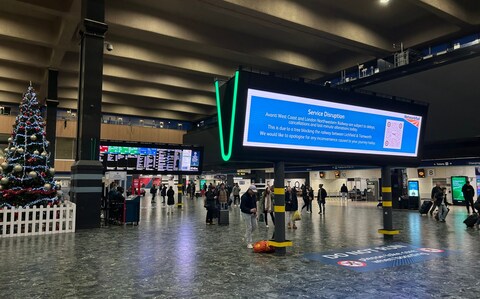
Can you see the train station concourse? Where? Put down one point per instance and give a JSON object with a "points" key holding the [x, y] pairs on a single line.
{"points": [[239, 148]]}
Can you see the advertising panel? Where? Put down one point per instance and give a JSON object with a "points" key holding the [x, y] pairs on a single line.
{"points": [[280, 121], [457, 184], [413, 189]]}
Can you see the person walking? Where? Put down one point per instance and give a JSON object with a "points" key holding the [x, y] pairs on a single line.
{"points": [[248, 206], [344, 192], [163, 193], [441, 202], [170, 200], [291, 205], [153, 192], [210, 204], [468, 194], [307, 203], [266, 204], [435, 190], [321, 197], [236, 194]]}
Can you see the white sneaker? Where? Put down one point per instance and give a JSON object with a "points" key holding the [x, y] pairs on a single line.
{"points": [[250, 246]]}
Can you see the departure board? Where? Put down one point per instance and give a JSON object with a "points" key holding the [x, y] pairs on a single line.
{"points": [[151, 159]]}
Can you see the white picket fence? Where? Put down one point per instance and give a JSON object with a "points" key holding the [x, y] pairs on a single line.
{"points": [[37, 220]]}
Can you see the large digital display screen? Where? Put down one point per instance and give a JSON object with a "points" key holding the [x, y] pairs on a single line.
{"points": [[457, 185], [275, 120], [150, 159]]}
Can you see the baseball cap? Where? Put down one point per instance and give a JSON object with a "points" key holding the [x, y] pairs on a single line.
{"points": [[253, 188]]}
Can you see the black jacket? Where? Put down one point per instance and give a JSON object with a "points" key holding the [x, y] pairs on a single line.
{"points": [[291, 201], [344, 189], [247, 203], [322, 194], [436, 193], [170, 197], [468, 191]]}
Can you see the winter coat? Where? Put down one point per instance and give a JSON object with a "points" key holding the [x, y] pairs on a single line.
{"points": [[170, 197], [291, 202]]}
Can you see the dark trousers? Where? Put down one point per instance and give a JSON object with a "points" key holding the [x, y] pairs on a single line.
{"points": [[308, 204], [271, 215], [210, 214], [236, 199], [320, 205], [163, 198], [469, 203]]}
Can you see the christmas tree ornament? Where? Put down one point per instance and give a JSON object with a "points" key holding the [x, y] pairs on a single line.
{"points": [[35, 152], [52, 171], [4, 181], [13, 149], [10, 139], [47, 186], [33, 137], [4, 165], [17, 168], [44, 154], [20, 150], [6, 149], [1, 187], [32, 174]]}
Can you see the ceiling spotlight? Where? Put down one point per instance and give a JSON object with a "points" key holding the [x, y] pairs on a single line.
{"points": [[384, 2]]}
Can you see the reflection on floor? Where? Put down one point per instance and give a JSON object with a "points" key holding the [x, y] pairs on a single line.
{"points": [[178, 256]]}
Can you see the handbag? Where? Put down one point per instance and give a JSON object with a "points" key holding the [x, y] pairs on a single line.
{"points": [[296, 216], [260, 218]]}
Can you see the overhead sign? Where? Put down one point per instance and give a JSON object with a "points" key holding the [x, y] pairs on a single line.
{"points": [[275, 120], [378, 257]]}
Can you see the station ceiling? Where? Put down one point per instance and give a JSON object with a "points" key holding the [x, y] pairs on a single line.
{"points": [[166, 53]]}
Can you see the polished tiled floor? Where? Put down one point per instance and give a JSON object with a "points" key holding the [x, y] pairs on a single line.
{"points": [[178, 256]]}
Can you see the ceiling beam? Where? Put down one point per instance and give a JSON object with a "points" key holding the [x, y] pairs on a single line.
{"points": [[127, 99], [289, 15], [451, 11], [208, 38]]}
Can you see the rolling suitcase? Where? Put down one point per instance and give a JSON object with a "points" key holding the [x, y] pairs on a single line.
{"points": [[223, 217], [471, 220], [426, 205]]}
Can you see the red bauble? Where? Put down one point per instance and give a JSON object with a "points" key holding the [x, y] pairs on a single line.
{"points": [[43, 174], [28, 123], [37, 129]]}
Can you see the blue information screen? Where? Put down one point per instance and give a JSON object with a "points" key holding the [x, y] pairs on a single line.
{"points": [[282, 121], [413, 189]]}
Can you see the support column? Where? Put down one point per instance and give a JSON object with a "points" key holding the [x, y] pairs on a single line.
{"points": [[52, 103], [179, 191], [387, 231], [87, 170], [279, 241]]}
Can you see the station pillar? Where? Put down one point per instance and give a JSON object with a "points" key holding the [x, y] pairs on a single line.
{"points": [[52, 103], [387, 231], [279, 241], [87, 171]]}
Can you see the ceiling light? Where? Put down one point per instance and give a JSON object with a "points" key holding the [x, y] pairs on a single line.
{"points": [[384, 2]]}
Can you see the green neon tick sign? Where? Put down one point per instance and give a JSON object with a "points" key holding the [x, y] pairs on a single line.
{"points": [[227, 155]]}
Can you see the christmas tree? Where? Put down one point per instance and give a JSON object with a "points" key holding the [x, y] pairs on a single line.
{"points": [[26, 178]]}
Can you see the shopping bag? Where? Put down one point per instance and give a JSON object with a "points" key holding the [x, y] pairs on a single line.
{"points": [[296, 216], [263, 247]]}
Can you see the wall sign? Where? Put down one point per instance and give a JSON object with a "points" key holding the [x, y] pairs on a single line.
{"points": [[378, 257]]}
